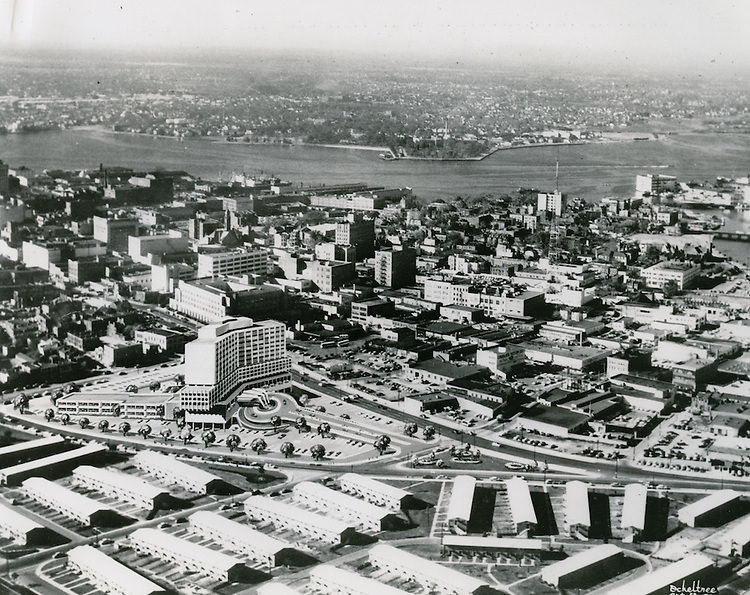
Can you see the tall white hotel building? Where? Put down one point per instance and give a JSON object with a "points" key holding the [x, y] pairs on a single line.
{"points": [[229, 357]]}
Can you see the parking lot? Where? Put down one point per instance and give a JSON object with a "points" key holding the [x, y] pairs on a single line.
{"points": [[121, 379], [686, 444], [58, 572]]}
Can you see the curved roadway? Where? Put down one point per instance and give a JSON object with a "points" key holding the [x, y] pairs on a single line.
{"points": [[603, 469]]}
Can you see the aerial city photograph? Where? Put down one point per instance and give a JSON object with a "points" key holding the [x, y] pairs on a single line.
{"points": [[374, 297]]}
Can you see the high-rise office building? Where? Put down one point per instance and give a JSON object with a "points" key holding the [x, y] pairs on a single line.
{"points": [[654, 184], [4, 180], [115, 231], [395, 268], [228, 357], [551, 202], [253, 261], [358, 232]]}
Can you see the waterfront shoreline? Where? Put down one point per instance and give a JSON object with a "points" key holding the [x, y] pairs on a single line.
{"points": [[589, 171], [382, 150]]}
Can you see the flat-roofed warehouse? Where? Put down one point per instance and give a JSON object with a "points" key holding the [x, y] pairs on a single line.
{"points": [[20, 528], [13, 453], [600, 562], [633, 519], [460, 503], [431, 575], [325, 578], [343, 506], [188, 555], [243, 539], [121, 486], [691, 567], [556, 421], [71, 504], [109, 575], [374, 491], [522, 510], [171, 470], [52, 464], [577, 510], [288, 516], [736, 541], [714, 509]]}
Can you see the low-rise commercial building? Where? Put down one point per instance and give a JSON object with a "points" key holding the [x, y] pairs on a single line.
{"points": [[164, 340], [501, 359], [574, 357], [683, 274], [728, 425], [188, 555], [349, 202], [374, 491], [126, 353], [556, 421], [659, 389], [124, 405], [120, 485], [46, 255], [288, 516], [441, 372], [108, 574], [343, 506], [600, 562], [363, 311], [431, 575]]}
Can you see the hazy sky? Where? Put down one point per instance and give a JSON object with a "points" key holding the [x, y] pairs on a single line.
{"points": [[696, 33]]}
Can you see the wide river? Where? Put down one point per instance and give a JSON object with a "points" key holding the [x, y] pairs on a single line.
{"points": [[589, 171]]}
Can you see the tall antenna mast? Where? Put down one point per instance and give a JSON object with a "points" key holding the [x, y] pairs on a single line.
{"points": [[557, 175]]}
